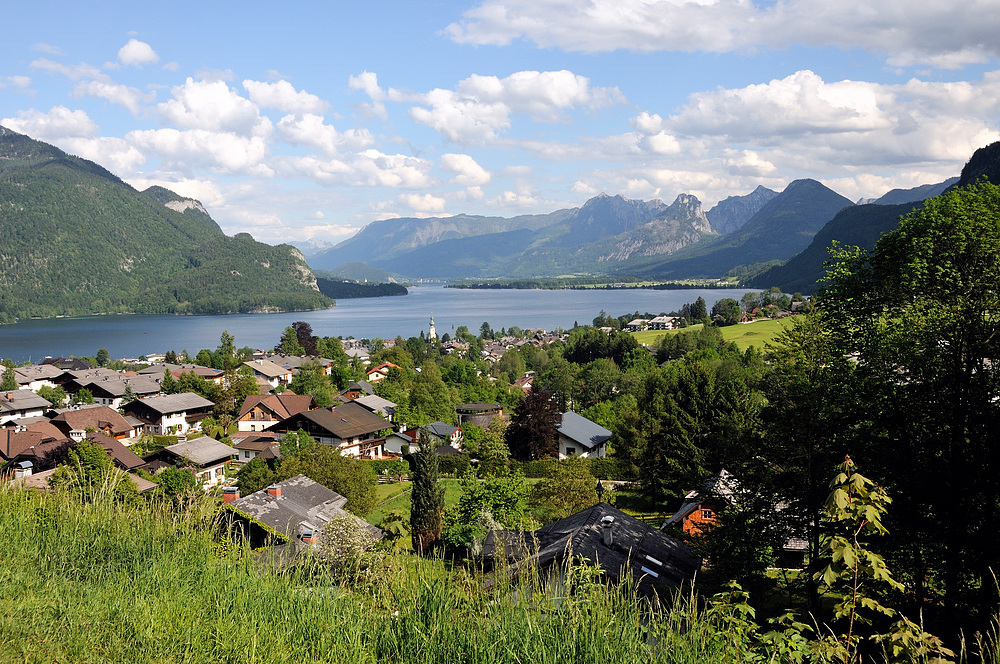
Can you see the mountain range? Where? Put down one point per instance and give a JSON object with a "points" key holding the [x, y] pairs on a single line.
{"points": [[78, 240]]}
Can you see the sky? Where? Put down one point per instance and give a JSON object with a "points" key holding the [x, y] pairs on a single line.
{"points": [[299, 121]]}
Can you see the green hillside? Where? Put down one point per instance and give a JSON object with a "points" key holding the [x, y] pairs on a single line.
{"points": [[78, 240]]}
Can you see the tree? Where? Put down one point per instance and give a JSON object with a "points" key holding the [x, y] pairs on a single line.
{"points": [[427, 498], [129, 395], [289, 343], [313, 381], [178, 484], [495, 502], [169, 384], [569, 488], [295, 442], [726, 311], [225, 354], [699, 309], [922, 312], [9, 380], [254, 476], [349, 477], [102, 357], [430, 398], [307, 340], [54, 395], [84, 396], [532, 433]]}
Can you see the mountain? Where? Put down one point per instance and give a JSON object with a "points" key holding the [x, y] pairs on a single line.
{"points": [[784, 226], [312, 246], [607, 231], [730, 214], [390, 238], [915, 195], [359, 272], [78, 240]]}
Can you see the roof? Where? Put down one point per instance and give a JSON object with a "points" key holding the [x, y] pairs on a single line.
{"points": [[173, 403], [14, 442], [360, 386], [202, 451], [649, 556], [581, 430], [345, 421], [123, 457], [283, 405], [302, 502], [376, 404], [32, 372], [478, 407], [94, 417], [441, 429], [256, 442], [16, 400], [268, 368]]}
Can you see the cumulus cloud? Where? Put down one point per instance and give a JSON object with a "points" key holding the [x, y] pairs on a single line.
{"points": [[310, 130], [882, 26], [213, 106], [137, 54], [221, 152], [423, 203], [480, 106], [467, 172], [131, 98], [72, 72], [283, 96], [206, 191], [368, 168], [59, 122]]}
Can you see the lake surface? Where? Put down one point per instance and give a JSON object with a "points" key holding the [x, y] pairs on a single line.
{"points": [[384, 317]]}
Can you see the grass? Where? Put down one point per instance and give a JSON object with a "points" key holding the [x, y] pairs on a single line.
{"points": [[743, 335], [116, 583]]}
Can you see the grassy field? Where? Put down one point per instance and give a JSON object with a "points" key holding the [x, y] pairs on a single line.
{"points": [[743, 335]]}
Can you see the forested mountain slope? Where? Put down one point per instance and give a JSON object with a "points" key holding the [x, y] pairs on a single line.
{"points": [[78, 240]]}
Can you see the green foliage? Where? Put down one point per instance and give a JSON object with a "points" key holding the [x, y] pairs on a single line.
{"points": [[84, 396], [178, 485], [427, 499], [102, 357], [78, 240], [54, 395], [9, 381], [494, 502], [312, 380], [726, 311], [289, 343], [254, 476], [532, 433], [343, 290], [90, 474], [569, 488], [347, 476]]}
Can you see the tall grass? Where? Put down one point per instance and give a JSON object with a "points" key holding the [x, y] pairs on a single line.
{"points": [[104, 582]]}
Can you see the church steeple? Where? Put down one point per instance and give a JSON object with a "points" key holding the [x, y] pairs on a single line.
{"points": [[433, 333]]}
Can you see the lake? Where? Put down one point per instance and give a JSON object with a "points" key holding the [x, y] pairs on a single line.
{"points": [[384, 317]]}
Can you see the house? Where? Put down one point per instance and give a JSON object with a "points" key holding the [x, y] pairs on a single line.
{"points": [[35, 376], [270, 372], [77, 422], [440, 434], [580, 436], [295, 362], [376, 404], [350, 426], [111, 390], [637, 325], [621, 545], [177, 370], [381, 372], [207, 458], [296, 512], [663, 323], [358, 388], [15, 442], [170, 413], [702, 506], [261, 411], [18, 404], [68, 364], [249, 446], [480, 414]]}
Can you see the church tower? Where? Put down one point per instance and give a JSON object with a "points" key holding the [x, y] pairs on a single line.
{"points": [[433, 333]]}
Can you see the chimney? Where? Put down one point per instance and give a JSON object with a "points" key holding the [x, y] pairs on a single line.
{"points": [[230, 493], [607, 525], [274, 491], [308, 535]]}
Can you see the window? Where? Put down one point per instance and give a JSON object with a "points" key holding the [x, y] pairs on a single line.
{"points": [[707, 514], [570, 451]]}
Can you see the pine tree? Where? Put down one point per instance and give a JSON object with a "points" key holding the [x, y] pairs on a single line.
{"points": [[427, 498]]}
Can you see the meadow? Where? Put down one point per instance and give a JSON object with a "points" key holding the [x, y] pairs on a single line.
{"points": [[758, 333]]}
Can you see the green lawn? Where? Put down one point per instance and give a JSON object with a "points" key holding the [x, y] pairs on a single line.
{"points": [[745, 335]]}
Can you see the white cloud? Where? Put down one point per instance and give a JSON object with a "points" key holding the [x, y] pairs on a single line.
{"points": [[467, 171], [74, 72], [213, 106], [316, 216], [60, 122], [937, 34], [221, 152], [130, 98], [284, 97], [423, 203], [747, 162], [20, 82], [206, 191], [137, 54], [310, 130], [47, 48], [369, 168], [480, 106]]}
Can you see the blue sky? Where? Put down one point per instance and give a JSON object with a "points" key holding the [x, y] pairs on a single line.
{"points": [[307, 120]]}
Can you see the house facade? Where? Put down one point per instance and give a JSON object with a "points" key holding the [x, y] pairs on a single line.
{"points": [[166, 414]]}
